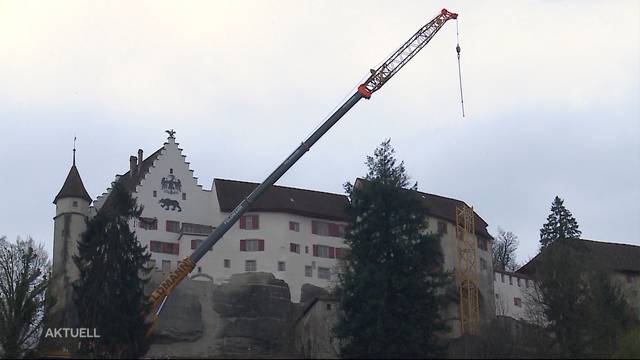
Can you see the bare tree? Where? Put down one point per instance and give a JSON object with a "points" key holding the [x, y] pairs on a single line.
{"points": [[24, 269], [504, 251]]}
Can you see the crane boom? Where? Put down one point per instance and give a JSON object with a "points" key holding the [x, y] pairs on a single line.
{"points": [[377, 79]]}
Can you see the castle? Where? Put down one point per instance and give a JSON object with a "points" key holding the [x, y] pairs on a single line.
{"points": [[295, 234]]}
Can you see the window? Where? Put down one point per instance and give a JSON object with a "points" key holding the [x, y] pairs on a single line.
{"points": [[294, 226], [629, 278], [199, 269], [482, 244], [166, 265], [324, 251], [502, 276], [252, 245], [526, 283], [155, 193], [483, 264], [510, 280], [173, 226], [306, 249], [189, 228], [282, 266], [170, 171], [250, 222], [164, 247], [227, 263], [517, 301], [184, 196], [152, 263], [74, 204], [324, 273], [294, 248], [519, 282], [148, 223], [328, 306], [308, 271], [327, 229], [250, 265], [442, 227]]}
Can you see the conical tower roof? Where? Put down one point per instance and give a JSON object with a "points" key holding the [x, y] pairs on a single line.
{"points": [[73, 187]]}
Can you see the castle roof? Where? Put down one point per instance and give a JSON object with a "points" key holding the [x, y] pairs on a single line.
{"points": [[283, 199], [611, 256], [445, 208], [73, 187]]}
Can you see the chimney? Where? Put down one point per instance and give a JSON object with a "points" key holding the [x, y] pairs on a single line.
{"points": [[139, 160], [132, 165]]}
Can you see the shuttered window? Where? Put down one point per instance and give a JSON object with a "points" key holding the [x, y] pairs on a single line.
{"points": [[173, 226], [252, 245], [324, 251], [323, 228], [250, 222], [164, 247]]}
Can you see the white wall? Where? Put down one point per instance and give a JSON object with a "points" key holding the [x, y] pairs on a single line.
{"points": [[506, 289], [201, 207]]}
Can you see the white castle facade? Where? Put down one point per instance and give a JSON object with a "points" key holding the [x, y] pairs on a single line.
{"points": [[295, 234]]}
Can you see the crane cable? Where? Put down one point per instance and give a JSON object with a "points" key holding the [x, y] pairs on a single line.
{"points": [[459, 71]]}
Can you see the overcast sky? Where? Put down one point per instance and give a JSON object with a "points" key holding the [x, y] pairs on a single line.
{"points": [[552, 95]]}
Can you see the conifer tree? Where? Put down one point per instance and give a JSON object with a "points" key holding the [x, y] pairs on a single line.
{"points": [[391, 285], [560, 225], [109, 293]]}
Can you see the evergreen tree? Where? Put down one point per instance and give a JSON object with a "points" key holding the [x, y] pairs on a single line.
{"points": [[391, 285], [560, 225], [586, 313], [109, 293]]}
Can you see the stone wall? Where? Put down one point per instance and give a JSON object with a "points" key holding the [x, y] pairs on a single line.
{"points": [[249, 316]]}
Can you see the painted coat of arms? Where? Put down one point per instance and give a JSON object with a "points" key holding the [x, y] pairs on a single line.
{"points": [[171, 185]]}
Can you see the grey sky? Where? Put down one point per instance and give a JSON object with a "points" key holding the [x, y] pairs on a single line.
{"points": [[552, 92]]}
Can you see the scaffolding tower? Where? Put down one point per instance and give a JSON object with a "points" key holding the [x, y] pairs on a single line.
{"points": [[466, 270]]}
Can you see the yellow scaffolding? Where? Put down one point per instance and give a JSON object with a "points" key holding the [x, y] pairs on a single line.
{"points": [[466, 270]]}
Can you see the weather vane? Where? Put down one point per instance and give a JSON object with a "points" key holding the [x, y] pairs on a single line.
{"points": [[171, 133]]}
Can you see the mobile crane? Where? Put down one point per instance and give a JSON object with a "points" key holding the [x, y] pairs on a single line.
{"points": [[375, 81]]}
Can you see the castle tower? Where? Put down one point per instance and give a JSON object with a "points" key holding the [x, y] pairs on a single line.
{"points": [[72, 209]]}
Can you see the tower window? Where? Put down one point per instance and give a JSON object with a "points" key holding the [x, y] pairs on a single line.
{"points": [[442, 227], [74, 204]]}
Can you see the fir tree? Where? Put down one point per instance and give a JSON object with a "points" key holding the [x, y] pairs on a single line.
{"points": [[560, 225], [109, 293], [391, 285]]}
